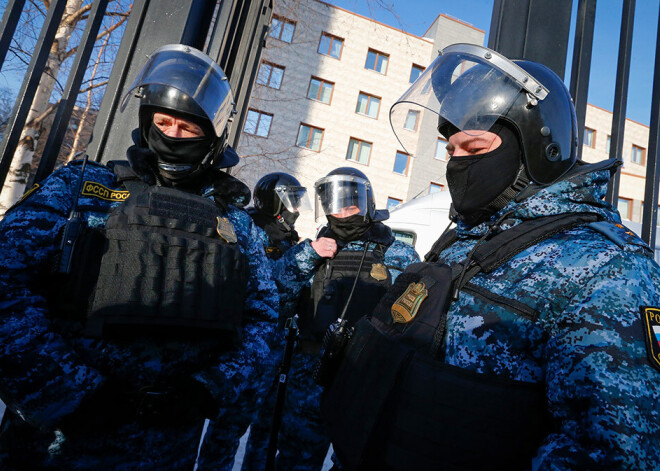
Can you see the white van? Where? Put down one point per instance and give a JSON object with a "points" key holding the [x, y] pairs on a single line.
{"points": [[421, 221]]}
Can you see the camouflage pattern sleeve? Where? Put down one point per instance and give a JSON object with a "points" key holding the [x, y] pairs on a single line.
{"points": [[398, 256], [294, 270], [602, 390], [238, 371], [42, 377]]}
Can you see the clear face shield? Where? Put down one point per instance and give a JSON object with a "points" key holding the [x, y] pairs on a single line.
{"points": [[469, 86], [293, 198], [191, 75], [341, 195]]}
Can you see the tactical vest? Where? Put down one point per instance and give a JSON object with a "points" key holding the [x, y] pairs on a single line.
{"points": [[171, 263], [166, 264], [395, 405], [332, 285]]}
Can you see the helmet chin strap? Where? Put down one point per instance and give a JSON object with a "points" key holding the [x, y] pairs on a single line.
{"points": [[510, 192]]}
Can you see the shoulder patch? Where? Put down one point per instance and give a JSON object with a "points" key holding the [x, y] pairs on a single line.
{"points": [[96, 190], [651, 324]]}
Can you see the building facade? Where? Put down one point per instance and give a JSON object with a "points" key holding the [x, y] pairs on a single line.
{"points": [[596, 147], [322, 97]]}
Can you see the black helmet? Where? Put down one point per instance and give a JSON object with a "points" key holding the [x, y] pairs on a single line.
{"points": [[344, 187], [277, 192], [470, 87], [185, 82]]}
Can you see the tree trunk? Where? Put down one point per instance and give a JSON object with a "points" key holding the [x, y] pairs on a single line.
{"points": [[19, 170]]}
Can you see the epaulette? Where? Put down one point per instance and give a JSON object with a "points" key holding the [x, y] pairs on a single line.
{"points": [[620, 235]]}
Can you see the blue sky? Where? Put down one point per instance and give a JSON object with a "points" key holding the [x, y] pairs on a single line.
{"points": [[416, 16]]}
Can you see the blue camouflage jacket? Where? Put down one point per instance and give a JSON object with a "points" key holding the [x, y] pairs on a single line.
{"points": [[297, 267], [586, 341], [46, 372]]}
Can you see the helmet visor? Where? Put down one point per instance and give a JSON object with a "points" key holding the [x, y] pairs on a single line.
{"points": [[467, 85], [195, 75], [294, 198], [341, 194]]}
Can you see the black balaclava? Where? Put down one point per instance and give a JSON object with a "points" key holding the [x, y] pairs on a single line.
{"points": [[179, 151], [349, 228], [289, 217], [475, 181]]}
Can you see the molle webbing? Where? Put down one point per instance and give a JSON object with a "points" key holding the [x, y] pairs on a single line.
{"points": [[166, 266], [332, 284], [395, 404]]}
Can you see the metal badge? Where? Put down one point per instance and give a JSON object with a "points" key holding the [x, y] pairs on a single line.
{"points": [[651, 324], [378, 272], [226, 230], [405, 308]]}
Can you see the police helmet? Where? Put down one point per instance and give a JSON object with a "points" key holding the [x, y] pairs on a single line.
{"points": [[471, 87], [347, 187], [180, 80], [278, 191]]}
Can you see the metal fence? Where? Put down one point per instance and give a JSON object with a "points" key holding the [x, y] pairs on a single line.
{"points": [[539, 31], [232, 32]]}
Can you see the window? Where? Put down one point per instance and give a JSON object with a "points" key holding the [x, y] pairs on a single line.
{"points": [[638, 154], [624, 206], [359, 151], [330, 45], [270, 75], [589, 137], [608, 143], [282, 28], [393, 202], [441, 149], [401, 163], [258, 123], [320, 90], [377, 61], [411, 120], [435, 187], [310, 137], [407, 237], [368, 105], [415, 72]]}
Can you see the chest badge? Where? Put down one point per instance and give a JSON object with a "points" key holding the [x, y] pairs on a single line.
{"points": [[226, 230], [405, 308], [651, 324], [378, 272]]}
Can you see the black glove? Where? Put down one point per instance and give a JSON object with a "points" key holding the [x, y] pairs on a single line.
{"points": [[106, 408], [198, 397]]}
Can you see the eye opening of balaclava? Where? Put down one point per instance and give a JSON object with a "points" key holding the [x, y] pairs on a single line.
{"points": [[180, 159], [480, 185]]}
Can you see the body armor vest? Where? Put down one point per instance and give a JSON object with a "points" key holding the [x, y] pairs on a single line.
{"points": [[395, 405], [171, 264], [332, 285]]}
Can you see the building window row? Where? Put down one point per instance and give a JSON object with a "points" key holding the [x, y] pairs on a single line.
{"points": [[330, 45], [638, 153], [310, 137]]}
